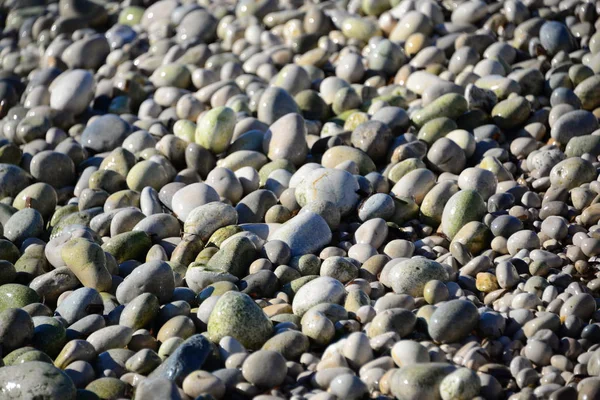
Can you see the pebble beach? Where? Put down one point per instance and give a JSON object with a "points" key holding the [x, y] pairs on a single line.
{"points": [[299, 199]]}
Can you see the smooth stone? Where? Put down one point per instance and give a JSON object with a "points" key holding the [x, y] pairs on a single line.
{"points": [[105, 133], [306, 233], [72, 91], [154, 277], [237, 315], [286, 139], [318, 291], [419, 381], [36, 380], [410, 276], [463, 207], [452, 321]]}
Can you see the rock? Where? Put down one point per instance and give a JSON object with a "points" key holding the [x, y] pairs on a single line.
{"points": [[463, 207], [419, 381], [72, 91], [286, 139], [410, 276], [453, 321], [36, 380], [337, 186], [317, 291], [236, 315], [105, 133], [155, 277]]}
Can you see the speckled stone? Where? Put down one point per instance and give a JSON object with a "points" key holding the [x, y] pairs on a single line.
{"points": [[419, 381], [410, 276], [37, 380], [194, 353], [237, 315], [453, 321]]}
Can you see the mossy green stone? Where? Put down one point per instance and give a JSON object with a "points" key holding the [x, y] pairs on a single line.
{"points": [[393, 99], [131, 15], [10, 154], [140, 312], [405, 209], [432, 207], [205, 255], [338, 154], [109, 388], [169, 75], [265, 170], [404, 167], [475, 235], [119, 160], [355, 299], [234, 257], [312, 105], [511, 113], [292, 288], [435, 129], [108, 180], [588, 92], [354, 120], [375, 7], [419, 380], [359, 28], [35, 355], [581, 145], [187, 250], [215, 129], [14, 295], [88, 262], [450, 105], [39, 196], [36, 380], [222, 234], [147, 173], [49, 335], [463, 207], [128, 246], [31, 264], [217, 289], [185, 129], [63, 212], [572, 172], [10, 358], [77, 218], [238, 316], [341, 118], [8, 272], [244, 158], [8, 251]]}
